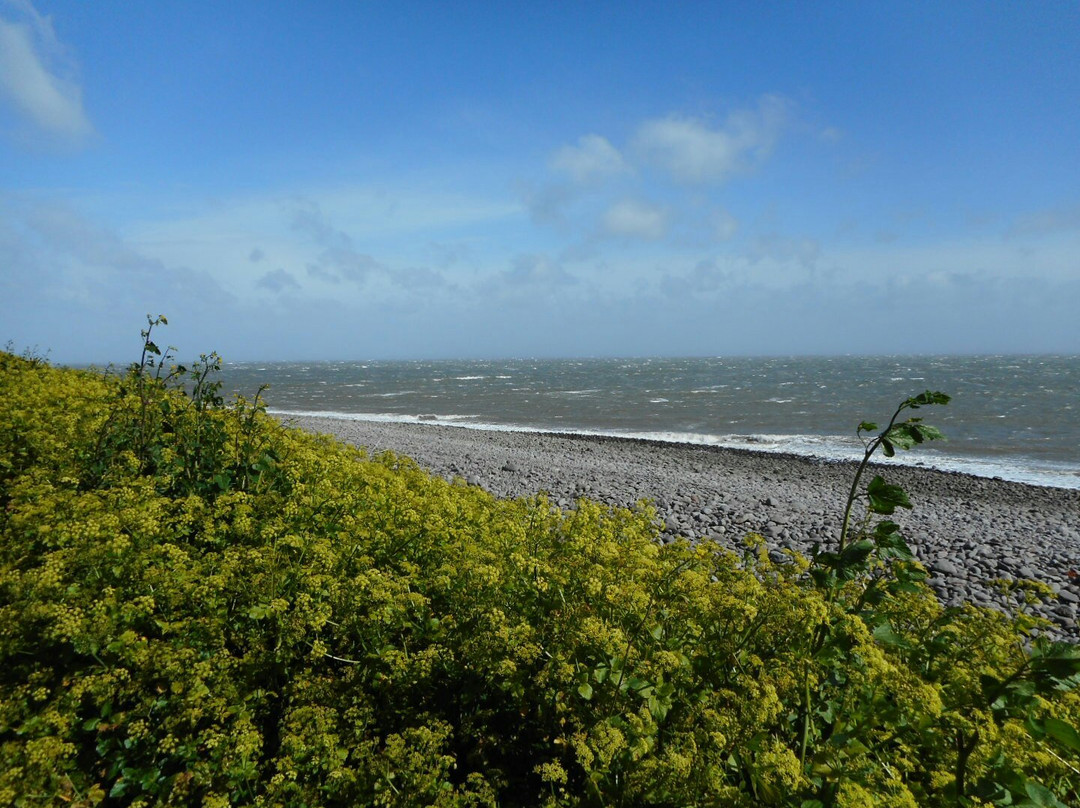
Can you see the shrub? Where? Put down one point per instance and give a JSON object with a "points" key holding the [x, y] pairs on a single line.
{"points": [[199, 606]]}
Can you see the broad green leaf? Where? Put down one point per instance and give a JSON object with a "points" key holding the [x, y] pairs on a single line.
{"points": [[1064, 733], [884, 529], [1041, 796], [827, 710], [852, 561], [856, 551], [930, 432], [886, 635], [585, 690], [924, 399], [886, 498], [903, 436]]}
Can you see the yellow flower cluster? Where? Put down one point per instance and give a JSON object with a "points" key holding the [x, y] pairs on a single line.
{"points": [[201, 607]]}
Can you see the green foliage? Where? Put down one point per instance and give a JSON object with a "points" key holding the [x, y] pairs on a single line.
{"points": [[871, 573], [198, 606]]}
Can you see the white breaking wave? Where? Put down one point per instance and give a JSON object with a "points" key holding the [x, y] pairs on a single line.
{"points": [[824, 447]]}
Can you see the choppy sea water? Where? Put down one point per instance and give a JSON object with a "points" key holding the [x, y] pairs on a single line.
{"points": [[1014, 417]]}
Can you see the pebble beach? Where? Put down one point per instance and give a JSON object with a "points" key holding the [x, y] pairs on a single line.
{"points": [[967, 530]]}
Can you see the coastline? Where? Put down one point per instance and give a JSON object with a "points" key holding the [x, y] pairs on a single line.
{"points": [[1027, 470], [967, 530]]}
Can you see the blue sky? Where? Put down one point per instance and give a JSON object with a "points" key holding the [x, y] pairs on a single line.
{"points": [[413, 180]]}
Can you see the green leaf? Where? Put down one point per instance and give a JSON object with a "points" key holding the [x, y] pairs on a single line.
{"points": [[886, 635], [930, 432], [852, 560], [1041, 796], [867, 426], [1063, 733], [885, 498], [827, 710], [856, 551], [642, 687], [904, 436], [924, 399], [886, 528], [585, 690]]}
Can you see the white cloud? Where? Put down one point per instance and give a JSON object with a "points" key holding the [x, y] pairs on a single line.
{"points": [[783, 249], [635, 219], [417, 278], [547, 204], [707, 276], [36, 76], [1048, 220], [691, 152], [339, 259], [533, 271], [344, 263], [277, 280], [59, 229], [591, 159]]}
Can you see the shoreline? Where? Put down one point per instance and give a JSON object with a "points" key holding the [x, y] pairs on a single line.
{"points": [[966, 529], [988, 466]]}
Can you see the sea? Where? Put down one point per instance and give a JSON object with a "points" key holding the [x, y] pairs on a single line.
{"points": [[1012, 417]]}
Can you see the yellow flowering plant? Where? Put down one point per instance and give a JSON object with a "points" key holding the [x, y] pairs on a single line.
{"points": [[200, 606]]}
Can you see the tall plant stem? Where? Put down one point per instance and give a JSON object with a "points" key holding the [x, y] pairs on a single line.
{"points": [[853, 492], [870, 449]]}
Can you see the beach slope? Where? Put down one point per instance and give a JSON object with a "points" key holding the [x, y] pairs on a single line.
{"points": [[967, 530]]}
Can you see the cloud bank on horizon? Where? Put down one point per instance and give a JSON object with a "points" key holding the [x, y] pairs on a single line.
{"points": [[410, 181]]}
